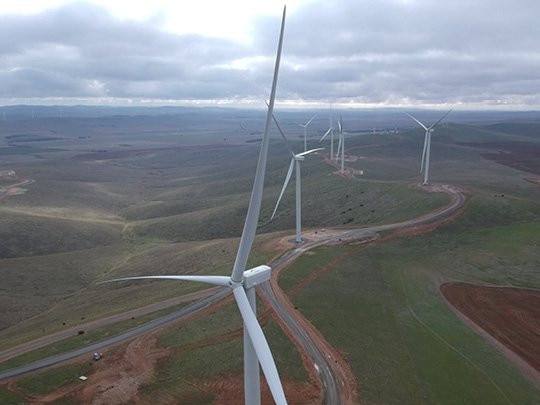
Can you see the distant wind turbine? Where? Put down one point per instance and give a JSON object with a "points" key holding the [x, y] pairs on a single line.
{"points": [[242, 282], [295, 163], [331, 132], [305, 131], [424, 164], [341, 144]]}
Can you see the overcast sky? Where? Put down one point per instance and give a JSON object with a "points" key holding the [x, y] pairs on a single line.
{"points": [[375, 53]]}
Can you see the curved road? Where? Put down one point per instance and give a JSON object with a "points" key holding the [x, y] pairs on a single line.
{"points": [[325, 369]]}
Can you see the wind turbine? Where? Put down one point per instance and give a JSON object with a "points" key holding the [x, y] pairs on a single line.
{"points": [[341, 144], [305, 131], [424, 165], [331, 132], [295, 163], [242, 282]]}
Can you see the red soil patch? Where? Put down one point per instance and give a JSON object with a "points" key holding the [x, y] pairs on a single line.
{"points": [[509, 315], [117, 378], [225, 388], [533, 181], [518, 155]]}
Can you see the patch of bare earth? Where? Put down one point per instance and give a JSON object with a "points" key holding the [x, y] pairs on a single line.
{"points": [[117, 377], [508, 317], [227, 387], [533, 180], [523, 156], [113, 380]]}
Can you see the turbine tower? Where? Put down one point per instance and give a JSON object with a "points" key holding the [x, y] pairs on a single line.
{"points": [[341, 144], [305, 131], [331, 132], [424, 164], [295, 163], [242, 282]]}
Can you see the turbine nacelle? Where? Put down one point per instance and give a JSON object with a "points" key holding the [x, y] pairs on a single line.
{"points": [[257, 275]]}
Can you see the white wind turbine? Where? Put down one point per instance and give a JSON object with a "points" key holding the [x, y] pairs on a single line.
{"points": [[331, 132], [295, 163], [242, 282], [424, 165], [305, 131], [341, 144]]}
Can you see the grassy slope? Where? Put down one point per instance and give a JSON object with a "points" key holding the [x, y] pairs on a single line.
{"points": [[152, 194], [119, 217], [403, 342]]}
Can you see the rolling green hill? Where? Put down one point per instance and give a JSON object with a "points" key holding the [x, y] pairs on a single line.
{"points": [[176, 207]]}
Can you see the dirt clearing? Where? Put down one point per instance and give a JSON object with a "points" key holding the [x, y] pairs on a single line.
{"points": [[510, 316]]}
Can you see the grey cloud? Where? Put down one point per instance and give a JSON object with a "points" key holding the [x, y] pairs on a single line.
{"points": [[72, 48], [385, 51]]}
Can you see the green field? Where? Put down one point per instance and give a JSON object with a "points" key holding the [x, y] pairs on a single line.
{"points": [[406, 345], [169, 207]]}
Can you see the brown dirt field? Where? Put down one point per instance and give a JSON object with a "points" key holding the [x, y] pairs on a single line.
{"points": [[119, 376], [509, 315], [533, 181], [233, 387], [113, 380], [518, 155]]}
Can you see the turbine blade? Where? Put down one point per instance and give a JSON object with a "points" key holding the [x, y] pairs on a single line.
{"points": [[260, 345], [282, 134], [287, 178], [339, 145], [307, 152], [419, 123], [214, 280], [340, 124], [442, 118], [326, 134], [254, 209], [311, 119]]}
